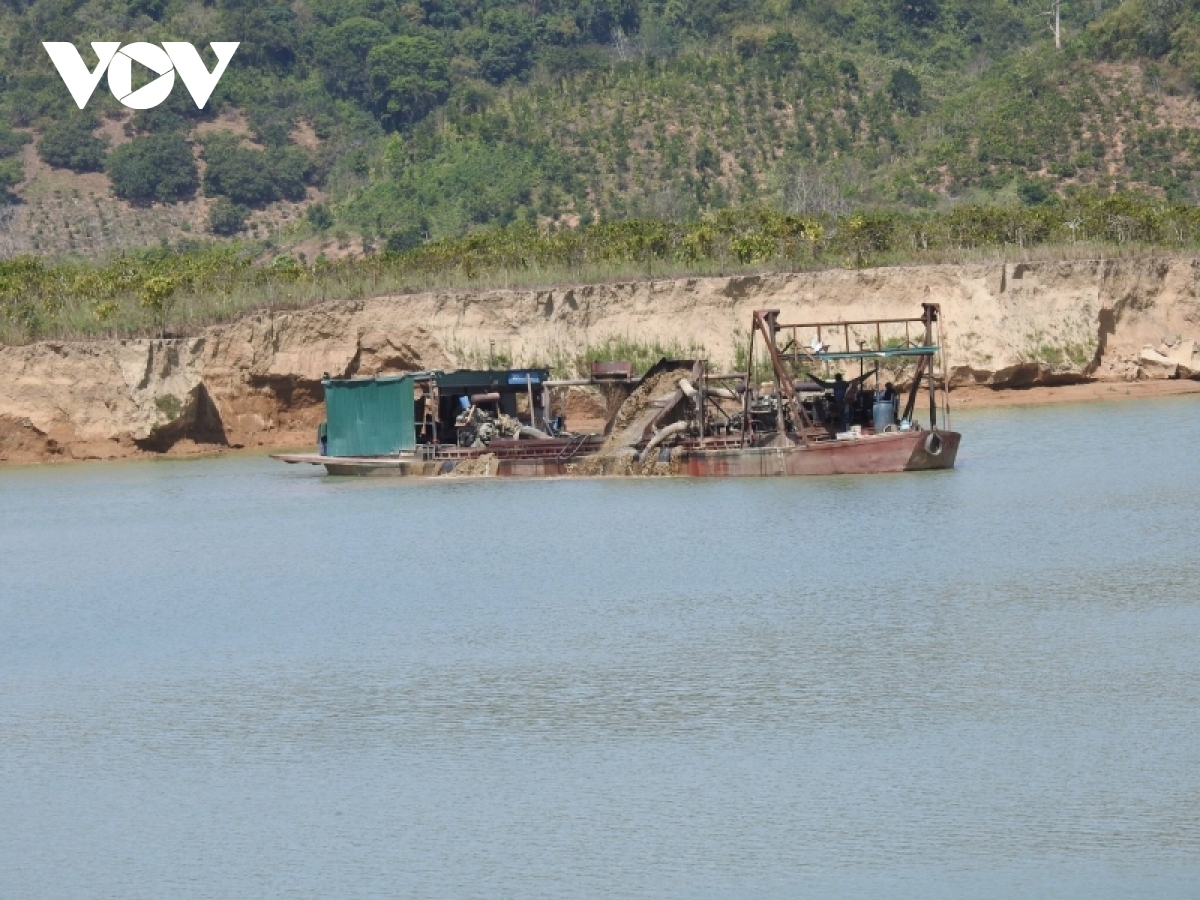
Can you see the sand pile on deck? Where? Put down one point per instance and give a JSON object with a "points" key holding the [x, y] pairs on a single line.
{"points": [[617, 455], [480, 465]]}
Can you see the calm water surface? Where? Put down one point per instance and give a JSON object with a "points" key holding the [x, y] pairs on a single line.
{"points": [[232, 678]]}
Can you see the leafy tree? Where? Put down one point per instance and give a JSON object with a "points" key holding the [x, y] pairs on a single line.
{"points": [[1033, 193], [290, 168], [158, 296], [407, 237], [392, 14], [253, 177], [319, 216], [466, 184], [227, 218], [11, 141], [597, 19], [158, 120], [918, 13], [11, 169], [409, 77], [557, 30], [271, 124], [748, 41], [152, 8], [705, 17], [70, 144], [157, 167], [341, 53], [269, 33], [239, 173], [503, 47], [904, 89], [177, 113], [707, 158], [11, 174], [782, 48]]}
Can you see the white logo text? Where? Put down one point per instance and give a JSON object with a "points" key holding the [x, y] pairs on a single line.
{"points": [[164, 61]]}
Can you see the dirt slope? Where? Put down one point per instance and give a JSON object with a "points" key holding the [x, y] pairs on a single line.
{"points": [[256, 382]]}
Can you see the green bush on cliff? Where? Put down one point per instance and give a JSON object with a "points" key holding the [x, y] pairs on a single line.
{"points": [[158, 167], [227, 218], [11, 169], [70, 144]]}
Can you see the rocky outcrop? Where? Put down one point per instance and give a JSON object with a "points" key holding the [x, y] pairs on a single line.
{"points": [[256, 382]]}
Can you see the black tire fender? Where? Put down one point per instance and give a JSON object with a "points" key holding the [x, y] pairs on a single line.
{"points": [[933, 444]]}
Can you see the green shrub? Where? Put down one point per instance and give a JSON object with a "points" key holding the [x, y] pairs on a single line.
{"points": [[291, 168], [239, 173], [11, 168], [227, 218], [1033, 193], [319, 216], [70, 144], [782, 48], [158, 167], [904, 89], [465, 185], [253, 178], [405, 238]]}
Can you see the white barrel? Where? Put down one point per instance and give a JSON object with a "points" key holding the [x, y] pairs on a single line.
{"points": [[884, 414]]}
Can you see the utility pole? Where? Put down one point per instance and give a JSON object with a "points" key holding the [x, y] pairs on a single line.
{"points": [[1054, 13]]}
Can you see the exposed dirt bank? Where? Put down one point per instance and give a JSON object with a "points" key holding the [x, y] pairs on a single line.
{"points": [[256, 382]]}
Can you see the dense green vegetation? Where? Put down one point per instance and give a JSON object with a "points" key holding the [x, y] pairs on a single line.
{"points": [[545, 139], [443, 116], [175, 291]]}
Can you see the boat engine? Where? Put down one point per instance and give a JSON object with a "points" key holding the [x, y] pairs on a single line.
{"points": [[476, 427]]}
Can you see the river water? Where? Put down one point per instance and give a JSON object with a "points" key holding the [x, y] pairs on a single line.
{"points": [[232, 678]]}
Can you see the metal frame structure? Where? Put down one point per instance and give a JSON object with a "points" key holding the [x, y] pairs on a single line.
{"points": [[767, 327]]}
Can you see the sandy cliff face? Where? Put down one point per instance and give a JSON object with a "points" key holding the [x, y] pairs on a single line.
{"points": [[256, 382]]}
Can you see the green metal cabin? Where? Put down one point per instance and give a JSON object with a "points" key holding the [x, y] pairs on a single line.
{"points": [[391, 414], [369, 416]]}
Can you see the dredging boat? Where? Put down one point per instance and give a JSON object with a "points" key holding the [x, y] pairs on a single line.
{"points": [[775, 417]]}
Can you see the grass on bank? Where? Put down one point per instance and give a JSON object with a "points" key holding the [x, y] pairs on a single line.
{"points": [[179, 291]]}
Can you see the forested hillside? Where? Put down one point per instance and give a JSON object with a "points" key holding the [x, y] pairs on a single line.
{"points": [[348, 126]]}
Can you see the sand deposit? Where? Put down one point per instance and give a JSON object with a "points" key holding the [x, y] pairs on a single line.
{"points": [[480, 465]]}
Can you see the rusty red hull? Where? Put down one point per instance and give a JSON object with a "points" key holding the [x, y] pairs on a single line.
{"points": [[912, 451]]}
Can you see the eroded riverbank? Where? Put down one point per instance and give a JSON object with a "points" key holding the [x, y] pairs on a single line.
{"points": [[1024, 333]]}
